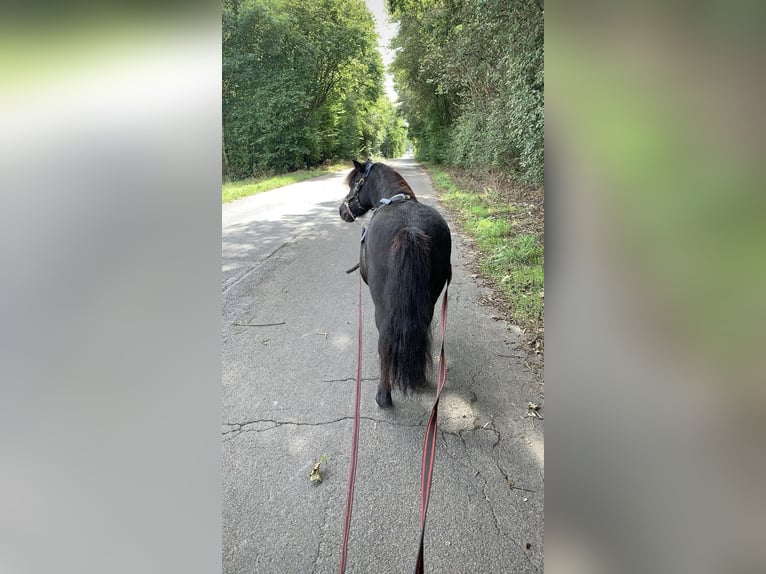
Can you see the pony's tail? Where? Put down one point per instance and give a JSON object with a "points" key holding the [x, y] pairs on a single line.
{"points": [[404, 342]]}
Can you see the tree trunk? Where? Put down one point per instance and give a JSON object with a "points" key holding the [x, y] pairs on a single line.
{"points": [[224, 159]]}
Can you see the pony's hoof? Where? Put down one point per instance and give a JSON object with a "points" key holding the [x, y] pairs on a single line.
{"points": [[383, 398]]}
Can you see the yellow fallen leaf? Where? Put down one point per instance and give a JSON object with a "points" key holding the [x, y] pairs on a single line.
{"points": [[315, 475]]}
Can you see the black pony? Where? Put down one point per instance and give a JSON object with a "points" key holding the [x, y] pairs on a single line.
{"points": [[405, 260]]}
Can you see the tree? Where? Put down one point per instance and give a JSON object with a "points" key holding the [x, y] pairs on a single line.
{"points": [[470, 75], [301, 83]]}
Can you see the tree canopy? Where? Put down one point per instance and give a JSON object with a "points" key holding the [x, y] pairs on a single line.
{"points": [[470, 78], [302, 83]]}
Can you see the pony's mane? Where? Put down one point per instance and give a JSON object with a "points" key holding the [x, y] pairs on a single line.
{"points": [[391, 178], [398, 182]]}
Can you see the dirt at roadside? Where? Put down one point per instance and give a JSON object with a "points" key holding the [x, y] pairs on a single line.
{"points": [[529, 218]]}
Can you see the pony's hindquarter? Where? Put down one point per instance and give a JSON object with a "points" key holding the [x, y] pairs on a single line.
{"points": [[404, 342]]}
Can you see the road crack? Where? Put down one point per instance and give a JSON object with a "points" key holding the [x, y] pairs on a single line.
{"points": [[466, 462], [238, 278], [233, 430]]}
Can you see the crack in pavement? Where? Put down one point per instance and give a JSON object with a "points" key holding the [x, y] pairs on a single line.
{"points": [[477, 473], [235, 280], [237, 428], [489, 427], [321, 540], [489, 502], [511, 483], [330, 506], [496, 459], [466, 462]]}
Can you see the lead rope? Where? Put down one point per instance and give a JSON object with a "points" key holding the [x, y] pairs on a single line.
{"points": [[429, 444], [354, 440]]}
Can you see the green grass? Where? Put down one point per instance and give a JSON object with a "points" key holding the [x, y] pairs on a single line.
{"points": [[514, 260], [238, 189]]}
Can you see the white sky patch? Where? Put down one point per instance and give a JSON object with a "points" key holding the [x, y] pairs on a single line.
{"points": [[386, 30]]}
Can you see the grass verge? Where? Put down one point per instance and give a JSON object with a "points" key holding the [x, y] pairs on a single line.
{"points": [[506, 222], [237, 189]]}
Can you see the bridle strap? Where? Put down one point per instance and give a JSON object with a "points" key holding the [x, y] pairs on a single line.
{"points": [[384, 201], [367, 169], [398, 198], [354, 195], [361, 182]]}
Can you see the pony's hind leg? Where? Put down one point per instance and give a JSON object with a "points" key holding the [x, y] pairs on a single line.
{"points": [[383, 396]]}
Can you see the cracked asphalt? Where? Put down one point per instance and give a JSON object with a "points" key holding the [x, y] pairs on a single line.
{"points": [[289, 361]]}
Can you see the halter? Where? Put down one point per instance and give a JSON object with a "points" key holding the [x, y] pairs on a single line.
{"points": [[357, 187], [399, 197]]}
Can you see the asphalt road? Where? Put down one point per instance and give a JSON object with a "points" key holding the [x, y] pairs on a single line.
{"points": [[288, 400]]}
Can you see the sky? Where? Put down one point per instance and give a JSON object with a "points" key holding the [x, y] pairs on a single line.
{"points": [[386, 31]]}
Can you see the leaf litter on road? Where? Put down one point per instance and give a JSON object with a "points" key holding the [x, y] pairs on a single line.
{"points": [[315, 475], [534, 408]]}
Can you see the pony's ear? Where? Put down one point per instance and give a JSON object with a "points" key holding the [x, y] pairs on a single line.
{"points": [[357, 165]]}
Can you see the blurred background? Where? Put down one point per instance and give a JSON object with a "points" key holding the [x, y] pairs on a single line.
{"points": [[110, 169], [656, 271], [109, 301]]}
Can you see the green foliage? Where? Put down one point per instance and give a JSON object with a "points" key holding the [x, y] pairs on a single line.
{"points": [[522, 249], [394, 141], [302, 83], [514, 259], [470, 77]]}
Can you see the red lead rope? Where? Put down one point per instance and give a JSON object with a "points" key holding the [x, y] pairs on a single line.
{"points": [[354, 440], [429, 445]]}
